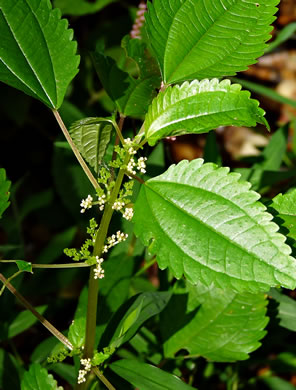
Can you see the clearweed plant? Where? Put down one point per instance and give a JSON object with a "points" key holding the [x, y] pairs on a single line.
{"points": [[223, 257]]}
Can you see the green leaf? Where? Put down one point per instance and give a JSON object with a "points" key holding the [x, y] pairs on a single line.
{"points": [[206, 224], [145, 306], [276, 383], [24, 266], [147, 377], [225, 328], [199, 107], [92, 136], [81, 7], [37, 54], [38, 378], [286, 309], [24, 321], [76, 333], [285, 206], [4, 191], [282, 37], [131, 96], [201, 39]]}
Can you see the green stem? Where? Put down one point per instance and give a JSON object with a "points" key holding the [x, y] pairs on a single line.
{"points": [[103, 378], [49, 266], [119, 127], [146, 266], [8, 280], [28, 306], [75, 150]]}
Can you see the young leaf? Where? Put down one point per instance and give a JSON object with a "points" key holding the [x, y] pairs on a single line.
{"points": [[4, 191], [199, 107], [285, 205], [145, 306], [225, 328], [81, 7], [206, 224], [147, 377], [202, 39], [76, 333], [131, 96], [92, 136], [286, 309], [38, 378], [24, 266], [37, 54]]}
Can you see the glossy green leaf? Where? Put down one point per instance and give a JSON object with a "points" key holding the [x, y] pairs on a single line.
{"points": [[38, 378], [203, 222], [145, 306], [201, 39], [147, 377], [286, 309], [285, 206], [92, 136], [37, 54], [4, 191], [131, 96], [220, 325], [81, 7], [76, 333], [199, 107], [23, 321]]}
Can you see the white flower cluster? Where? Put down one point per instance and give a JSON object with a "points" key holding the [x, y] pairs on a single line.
{"points": [[118, 205], [101, 202], [86, 204], [128, 213], [114, 240], [129, 143], [82, 373], [98, 271], [140, 165]]}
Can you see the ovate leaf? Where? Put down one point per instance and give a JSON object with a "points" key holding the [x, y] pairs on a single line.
{"points": [[204, 39], [76, 333], [4, 191], [92, 136], [147, 377], [205, 223], [220, 325], [24, 321], [37, 54], [38, 378], [199, 107], [286, 309], [285, 206]]}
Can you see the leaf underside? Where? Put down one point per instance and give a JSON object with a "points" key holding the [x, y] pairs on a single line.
{"points": [[37, 54], [4, 191], [199, 107], [196, 39], [206, 224], [225, 326], [91, 136]]}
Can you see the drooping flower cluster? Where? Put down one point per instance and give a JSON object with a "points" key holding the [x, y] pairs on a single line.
{"points": [[118, 205], [98, 271], [114, 240], [128, 213], [82, 373]]}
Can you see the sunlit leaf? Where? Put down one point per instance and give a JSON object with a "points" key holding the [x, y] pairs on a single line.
{"points": [[38, 378], [286, 309], [205, 39], [76, 333], [37, 53], [199, 107], [203, 222], [285, 206]]}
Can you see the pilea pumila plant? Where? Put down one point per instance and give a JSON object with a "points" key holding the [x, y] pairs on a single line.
{"points": [[200, 222]]}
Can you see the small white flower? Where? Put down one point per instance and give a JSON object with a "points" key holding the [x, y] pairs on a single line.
{"points": [[118, 205], [86, 203], [141, 166], [128, 213], [82, 373], [130, 166]]}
